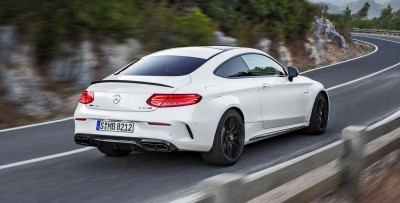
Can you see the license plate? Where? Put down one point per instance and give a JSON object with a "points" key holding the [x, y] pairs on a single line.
{"points": [[115, 126]]}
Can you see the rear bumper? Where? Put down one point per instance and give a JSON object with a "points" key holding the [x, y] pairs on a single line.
{"points": [[125, 143], [191, 128]]}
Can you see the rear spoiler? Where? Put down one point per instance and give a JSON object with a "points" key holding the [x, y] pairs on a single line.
{"points": [[130, 81]]}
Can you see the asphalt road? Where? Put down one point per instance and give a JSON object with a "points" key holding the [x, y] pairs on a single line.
{"points": [[89, 176]]}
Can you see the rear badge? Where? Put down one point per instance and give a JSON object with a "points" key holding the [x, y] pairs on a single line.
{"points": [[116, 99], [145, 107]]}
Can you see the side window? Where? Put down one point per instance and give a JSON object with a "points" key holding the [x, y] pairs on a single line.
{"points": [[261, 65], [233, 68]]}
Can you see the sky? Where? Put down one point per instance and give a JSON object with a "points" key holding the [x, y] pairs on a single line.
{"points": [[341, 2]]}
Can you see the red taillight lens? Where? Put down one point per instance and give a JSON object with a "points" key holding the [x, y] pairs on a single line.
{"points": [[86, 97], [173, 100]]}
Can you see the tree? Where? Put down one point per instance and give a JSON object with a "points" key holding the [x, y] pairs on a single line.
{"points": [[396, 20], [362, 13], [193, 29], [359, 19], [385, 20], [324, 10], [346, 23]]}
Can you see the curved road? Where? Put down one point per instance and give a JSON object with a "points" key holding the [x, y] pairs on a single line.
{"points": [[89, 176]]}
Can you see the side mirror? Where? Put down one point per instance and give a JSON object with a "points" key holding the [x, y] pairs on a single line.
{"points": [[293, 72]]}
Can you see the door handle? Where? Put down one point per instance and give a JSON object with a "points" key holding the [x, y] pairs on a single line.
{"points": [[265, 86]]}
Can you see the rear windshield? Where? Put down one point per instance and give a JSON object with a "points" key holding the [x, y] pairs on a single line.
{"points": [[163, 66]]}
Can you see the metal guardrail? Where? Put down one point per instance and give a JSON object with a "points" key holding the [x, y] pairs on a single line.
{"points": [[343, 161], [377, 32]]}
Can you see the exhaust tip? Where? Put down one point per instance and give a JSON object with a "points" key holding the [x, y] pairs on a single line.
{"points": [[85, 140], [155, 147], [149, 147], [161, 147], [82, 140]]}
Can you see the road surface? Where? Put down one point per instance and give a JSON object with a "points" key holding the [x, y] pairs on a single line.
{"points": [[361, 91]]}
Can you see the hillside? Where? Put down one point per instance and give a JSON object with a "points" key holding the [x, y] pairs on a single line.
{"points": [[394, 3], [56, 48], [374, 10], [355, 5]]}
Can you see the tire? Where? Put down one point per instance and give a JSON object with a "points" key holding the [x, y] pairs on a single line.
{"points": [[113, 152], [319, 116], [228, 140]]}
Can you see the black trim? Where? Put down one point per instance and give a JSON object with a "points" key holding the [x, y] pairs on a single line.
{"points": [[227, 48], [125, 67], [239, 55], [130, 81], [125, 143], [222, 51], [190, 131], [237, 77], [279, 132], [209, 58]]}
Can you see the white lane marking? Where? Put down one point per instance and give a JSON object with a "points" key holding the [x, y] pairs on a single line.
{"points": [[45, 158], [375, 50], [388, 40], [37, 124], [368, 35], [362, 78]]}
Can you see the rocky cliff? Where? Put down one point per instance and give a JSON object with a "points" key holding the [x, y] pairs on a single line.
{"points": [[54, 92]]}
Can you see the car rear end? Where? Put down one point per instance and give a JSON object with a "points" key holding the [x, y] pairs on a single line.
{"points": [[145, 112]]}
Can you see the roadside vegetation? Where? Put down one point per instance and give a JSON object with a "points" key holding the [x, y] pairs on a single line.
{"points": [[157, 24], [85, 39], [388, 20]]}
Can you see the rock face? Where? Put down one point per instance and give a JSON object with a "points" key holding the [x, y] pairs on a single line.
{"points": [[88, 62], [264, 45], [21, 85], [221, 40], [324, 33], [284, 55], [7, 42], [114, 55], [76, 66], [325, 29], [81, 63]]}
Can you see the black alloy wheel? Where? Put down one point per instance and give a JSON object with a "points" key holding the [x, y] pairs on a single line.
{"points": [[228, 141], [322, 114], [231, 135], [319, 116]]}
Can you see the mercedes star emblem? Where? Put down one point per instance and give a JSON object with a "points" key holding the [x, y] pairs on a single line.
{"points": [[116, 99]]}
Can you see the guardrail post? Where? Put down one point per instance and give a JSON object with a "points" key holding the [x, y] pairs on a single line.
{"points": [[226, 188], [352, 160]]}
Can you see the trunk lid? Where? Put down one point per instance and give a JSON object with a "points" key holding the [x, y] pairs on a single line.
{"points": [[130, 93]]}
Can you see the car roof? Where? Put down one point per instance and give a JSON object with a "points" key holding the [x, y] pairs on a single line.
{"points": [[204, 52]]}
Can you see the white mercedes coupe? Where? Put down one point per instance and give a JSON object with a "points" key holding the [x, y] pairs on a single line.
{"points": [[213, 100]]}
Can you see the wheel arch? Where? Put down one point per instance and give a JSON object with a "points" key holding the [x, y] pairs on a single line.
{"points": [[311, 104], [323, 92], [238, 110]]}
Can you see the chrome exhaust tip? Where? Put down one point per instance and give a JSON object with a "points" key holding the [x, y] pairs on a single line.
{"points": [[161, 147]]}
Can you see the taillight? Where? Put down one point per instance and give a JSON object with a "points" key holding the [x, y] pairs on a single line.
{"points": [[173, 100], [86, 97], [159, 124]]}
